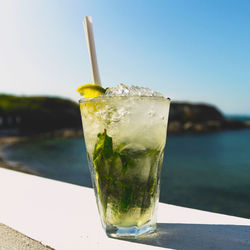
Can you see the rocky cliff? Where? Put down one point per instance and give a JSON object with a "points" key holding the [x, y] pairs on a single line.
{"points": [[192, 118]]}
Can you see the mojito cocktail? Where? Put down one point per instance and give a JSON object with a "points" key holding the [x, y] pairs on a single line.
{"points": [[125, 138]]}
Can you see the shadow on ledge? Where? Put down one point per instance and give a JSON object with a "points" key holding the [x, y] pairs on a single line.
{"points": [[199, 236]]}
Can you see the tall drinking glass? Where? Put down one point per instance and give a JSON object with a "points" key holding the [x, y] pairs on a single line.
{"points": [[125, 138]]}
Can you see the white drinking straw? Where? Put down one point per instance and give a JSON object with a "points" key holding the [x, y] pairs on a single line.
{"points": [[88, 27]]}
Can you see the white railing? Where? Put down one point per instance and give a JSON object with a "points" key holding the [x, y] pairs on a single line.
{"points": [[64, 216]]}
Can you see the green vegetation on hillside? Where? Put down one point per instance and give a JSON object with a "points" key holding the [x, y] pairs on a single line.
{"points": [[43, 114], [38, 114], [10, 103]]}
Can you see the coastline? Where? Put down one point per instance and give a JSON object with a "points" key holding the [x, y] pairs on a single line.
{"points": [[211, 126], [173, 129], [6, 141]]}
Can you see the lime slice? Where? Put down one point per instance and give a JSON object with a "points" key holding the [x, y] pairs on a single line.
{"points": [[91, 90]]}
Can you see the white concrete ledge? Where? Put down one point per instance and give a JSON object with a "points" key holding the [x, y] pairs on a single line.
{"points": [[64, 216]]}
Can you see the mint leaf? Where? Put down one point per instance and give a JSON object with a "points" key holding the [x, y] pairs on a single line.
{"points": [[126, 198], [101, 158], [103, 146], [116, 179], [125, 161]]}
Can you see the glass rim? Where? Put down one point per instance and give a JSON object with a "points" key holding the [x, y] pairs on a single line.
{"points": [[104, 97]]}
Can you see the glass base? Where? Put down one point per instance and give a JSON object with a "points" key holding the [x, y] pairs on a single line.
{"points": [[130, 232]]}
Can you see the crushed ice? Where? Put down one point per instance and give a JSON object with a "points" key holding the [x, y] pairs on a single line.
{"points": [[123, 90]]}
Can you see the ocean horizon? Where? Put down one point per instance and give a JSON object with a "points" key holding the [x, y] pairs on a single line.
{"points": [[239, 117]]}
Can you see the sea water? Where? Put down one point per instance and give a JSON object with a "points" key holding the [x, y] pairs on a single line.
{"points": [[209, 171]]}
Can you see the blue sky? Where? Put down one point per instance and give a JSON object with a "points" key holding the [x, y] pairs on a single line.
{"points": [[193, 50]]}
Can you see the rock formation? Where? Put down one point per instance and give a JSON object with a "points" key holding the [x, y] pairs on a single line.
{"points": [[35, 115]]}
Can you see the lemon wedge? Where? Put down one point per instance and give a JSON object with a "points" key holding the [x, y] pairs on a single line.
{"points": [[91, 90]]}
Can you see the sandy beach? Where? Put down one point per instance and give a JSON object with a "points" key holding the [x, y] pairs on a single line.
{"points": [[6, 141]]}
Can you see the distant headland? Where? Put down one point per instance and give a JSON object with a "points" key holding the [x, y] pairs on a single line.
{"points": [[200, 118], [53, 116]]}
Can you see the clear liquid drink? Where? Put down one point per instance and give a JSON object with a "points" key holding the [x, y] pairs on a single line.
{"points": [[125, 138]]}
